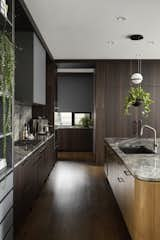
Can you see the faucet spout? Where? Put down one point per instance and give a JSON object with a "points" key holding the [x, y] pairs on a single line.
{"points": [[155, 145]]}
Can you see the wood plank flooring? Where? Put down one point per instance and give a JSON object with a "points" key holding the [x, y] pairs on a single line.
{"points": [[76, 203]]}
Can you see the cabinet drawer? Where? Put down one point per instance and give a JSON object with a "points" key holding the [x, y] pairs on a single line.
{"points": [[6, 224], [5, 205], [9, 235], [6, 185]]}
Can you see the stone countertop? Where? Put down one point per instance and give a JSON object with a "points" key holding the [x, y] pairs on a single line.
{"points": [[145, 167], [21, 152], [71, 127]]}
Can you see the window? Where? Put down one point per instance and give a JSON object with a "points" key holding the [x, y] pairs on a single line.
{"points": [[63, 118], [69, 118], [79, 116]]}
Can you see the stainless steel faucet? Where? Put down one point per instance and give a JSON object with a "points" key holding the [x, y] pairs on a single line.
{"points": [[155, 146]]}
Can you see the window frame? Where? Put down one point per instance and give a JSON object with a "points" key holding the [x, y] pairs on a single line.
{"points": [[73, 116]]}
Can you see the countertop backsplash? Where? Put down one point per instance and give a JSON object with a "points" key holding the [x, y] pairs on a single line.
{"points": [[22, 114]]}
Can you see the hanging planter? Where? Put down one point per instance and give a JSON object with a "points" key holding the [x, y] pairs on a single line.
{"points": [[7, 65], [136, 97], [138, 102]]}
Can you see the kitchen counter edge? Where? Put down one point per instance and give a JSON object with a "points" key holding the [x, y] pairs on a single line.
{"points": [[129, 160], [34, 150]]}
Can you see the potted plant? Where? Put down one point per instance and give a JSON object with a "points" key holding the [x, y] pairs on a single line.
{"points": [[136, 97], [86, 122]]}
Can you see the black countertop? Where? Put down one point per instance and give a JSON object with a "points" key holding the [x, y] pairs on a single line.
{"points": [[23, 152]]}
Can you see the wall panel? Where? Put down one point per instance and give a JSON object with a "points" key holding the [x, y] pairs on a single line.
{"points": [[112, 84]]}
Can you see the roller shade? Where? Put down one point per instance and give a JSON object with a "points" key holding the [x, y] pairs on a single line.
{"points": [[75, 93]]}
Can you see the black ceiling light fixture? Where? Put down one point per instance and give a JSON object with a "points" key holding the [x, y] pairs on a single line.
{"points": [[136, 37]]}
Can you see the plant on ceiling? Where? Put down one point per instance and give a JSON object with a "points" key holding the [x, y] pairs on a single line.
{"points": [[136, 97], [7, 65]]}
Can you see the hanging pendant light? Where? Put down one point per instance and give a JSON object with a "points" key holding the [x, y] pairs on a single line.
{"points": [[137, 77]]}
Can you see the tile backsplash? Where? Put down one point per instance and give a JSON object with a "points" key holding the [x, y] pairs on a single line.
{"points": [[22, 114]]}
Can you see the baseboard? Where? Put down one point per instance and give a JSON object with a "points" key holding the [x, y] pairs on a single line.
{"points": [[77, 156]]}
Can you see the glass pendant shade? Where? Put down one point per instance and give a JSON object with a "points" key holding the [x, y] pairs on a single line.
{"points": [[136, 78]]}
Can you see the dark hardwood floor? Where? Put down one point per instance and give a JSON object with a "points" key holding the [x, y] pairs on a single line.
{"points": [[76, 203]]}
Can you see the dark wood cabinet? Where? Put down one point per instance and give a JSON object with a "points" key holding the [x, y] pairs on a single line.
{"points": [[112, 84], [29, 178], [75, 139], [122, 184], [18, 187]]}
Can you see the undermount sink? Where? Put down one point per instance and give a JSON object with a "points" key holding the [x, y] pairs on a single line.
{"points": [[135, 150], [26, 142]]}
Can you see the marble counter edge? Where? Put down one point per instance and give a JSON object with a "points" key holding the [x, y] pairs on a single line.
{"points": [[5, 173], [114, 146], [33, 151]]}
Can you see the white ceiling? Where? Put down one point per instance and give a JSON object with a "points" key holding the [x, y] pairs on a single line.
{"points": [[81, 29]]}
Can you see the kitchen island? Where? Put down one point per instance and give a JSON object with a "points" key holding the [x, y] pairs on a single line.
{"points": [[135, 182]]}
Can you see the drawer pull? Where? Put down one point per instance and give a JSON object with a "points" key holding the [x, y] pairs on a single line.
{"points": [[127, 173], [120, 179]]}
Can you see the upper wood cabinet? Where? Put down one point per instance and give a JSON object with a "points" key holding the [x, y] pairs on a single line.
{"points": [[30, 81]]}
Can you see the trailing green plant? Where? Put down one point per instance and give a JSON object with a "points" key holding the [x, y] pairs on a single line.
{"points": [[7, 65], [137, 94], [86, 122]]}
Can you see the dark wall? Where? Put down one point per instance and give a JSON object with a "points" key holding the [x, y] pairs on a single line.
{"points": [[112, 84], [75, 93]]}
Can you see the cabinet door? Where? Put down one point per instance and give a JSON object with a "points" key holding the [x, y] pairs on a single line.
{"points": [[51, 154], [112, 170], [128, 198], [106, 160], [42, 167], [50, 160], [34, 165], [18, 205], [27, 188], [120, 185], [125, 193], [24, 67], [30, 69], [39, 72]]}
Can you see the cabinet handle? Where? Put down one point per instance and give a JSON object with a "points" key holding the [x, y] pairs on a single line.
{"points": [[120, 179], [127, 173]]}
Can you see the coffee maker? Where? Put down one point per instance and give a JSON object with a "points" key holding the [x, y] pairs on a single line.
{"points": [[43, 126]]}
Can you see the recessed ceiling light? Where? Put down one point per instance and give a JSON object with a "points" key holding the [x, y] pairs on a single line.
{"points": [[110, 42], [151, 42], [138, 55], [135, 37], [121, 18]]}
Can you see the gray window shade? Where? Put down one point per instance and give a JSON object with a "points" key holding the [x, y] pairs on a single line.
{"points": [[75, 94]]}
